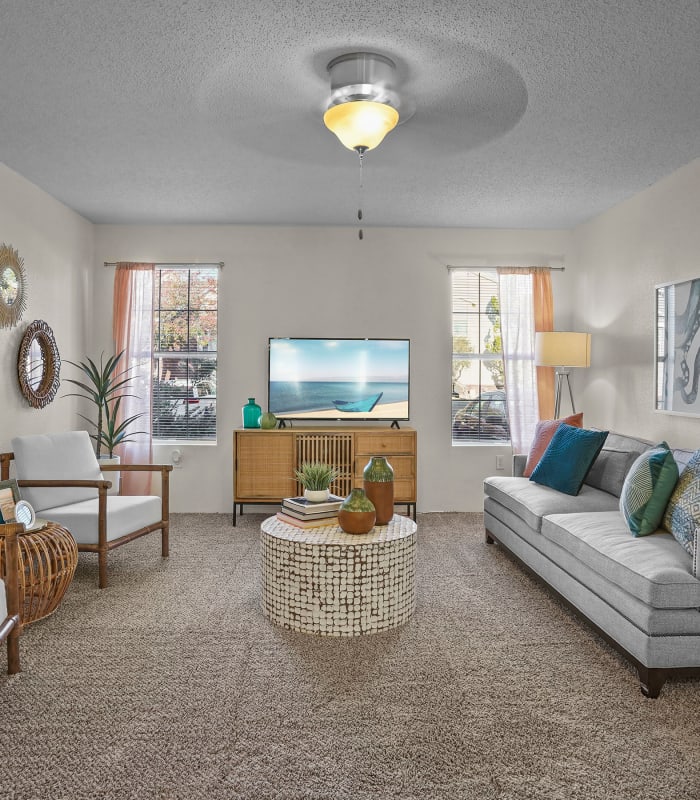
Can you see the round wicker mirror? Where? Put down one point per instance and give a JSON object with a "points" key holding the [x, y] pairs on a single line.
{"points": [[38, 364], [13, 286]]}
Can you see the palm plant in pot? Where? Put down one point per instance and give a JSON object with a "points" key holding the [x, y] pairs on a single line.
{"points": [[316, 477], [105, 386]]}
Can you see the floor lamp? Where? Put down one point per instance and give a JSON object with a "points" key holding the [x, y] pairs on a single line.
{"points": [[562, 350]]}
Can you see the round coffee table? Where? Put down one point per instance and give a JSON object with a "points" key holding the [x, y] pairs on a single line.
{"points": [[325, 581]]}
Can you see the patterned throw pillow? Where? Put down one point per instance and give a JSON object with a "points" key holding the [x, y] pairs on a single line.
{"points": [[682, 515], [647, 489], [544, 431], [568, 458]]}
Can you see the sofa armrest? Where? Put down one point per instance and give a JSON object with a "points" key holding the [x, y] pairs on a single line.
{"points": [[519, 462]]}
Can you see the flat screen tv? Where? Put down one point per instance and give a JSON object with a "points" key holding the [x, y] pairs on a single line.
{"points": [[340, 379]]}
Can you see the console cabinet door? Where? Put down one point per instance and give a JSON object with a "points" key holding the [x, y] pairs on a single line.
{"points": [[265, 463]]}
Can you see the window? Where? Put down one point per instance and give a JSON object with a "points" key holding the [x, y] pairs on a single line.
{"points": [[478, 384], [184, 353]]}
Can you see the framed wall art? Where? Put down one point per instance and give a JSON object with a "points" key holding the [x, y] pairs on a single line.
{"points": [[678, 347]]}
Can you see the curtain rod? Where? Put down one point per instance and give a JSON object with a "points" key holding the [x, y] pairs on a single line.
{"points": [[219, 264], [551, 269]]}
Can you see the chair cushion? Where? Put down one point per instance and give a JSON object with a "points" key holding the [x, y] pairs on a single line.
{"points": [[544, 431], [568, 458], [647, 489], [3, 602], [124, 515], [55, 456]]}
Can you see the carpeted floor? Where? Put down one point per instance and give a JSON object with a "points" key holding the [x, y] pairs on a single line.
{"points": [[171, 684]]}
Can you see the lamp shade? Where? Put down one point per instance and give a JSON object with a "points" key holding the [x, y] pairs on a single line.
{"points": [[361, 124], [562, 349]]}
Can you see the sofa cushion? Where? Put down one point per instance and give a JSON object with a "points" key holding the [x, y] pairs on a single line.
{"points": [[647, 489], [56, 456], [614, 460], [544, 431], [531, 502], [568, 458], [682, 516], [124, 515], [653, 568]]}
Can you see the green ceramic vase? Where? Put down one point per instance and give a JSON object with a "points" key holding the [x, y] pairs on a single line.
{"points": [[357, 513], [378, 478], [268, 421]]}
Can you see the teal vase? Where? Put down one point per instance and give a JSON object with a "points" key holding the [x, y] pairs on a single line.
{"points": [[251, 414], [357, 513], [378, 481]]}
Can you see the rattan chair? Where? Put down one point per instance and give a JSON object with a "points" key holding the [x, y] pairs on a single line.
{"points": [[62, 479], [9, 594]]}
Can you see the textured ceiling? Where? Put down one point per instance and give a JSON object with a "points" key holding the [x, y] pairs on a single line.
{"points": [[528, 113]]}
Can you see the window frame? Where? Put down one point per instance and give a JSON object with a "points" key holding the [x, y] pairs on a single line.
{"points": [[186, 355]]}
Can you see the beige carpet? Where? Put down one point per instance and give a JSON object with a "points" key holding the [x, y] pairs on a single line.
{"points": [[170, 684]]}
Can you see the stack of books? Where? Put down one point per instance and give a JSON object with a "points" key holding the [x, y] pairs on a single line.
{"points": [[302, 513]]}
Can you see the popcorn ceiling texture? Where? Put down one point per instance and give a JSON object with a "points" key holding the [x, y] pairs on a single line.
{"points": [[171, 684], [535, 114]]}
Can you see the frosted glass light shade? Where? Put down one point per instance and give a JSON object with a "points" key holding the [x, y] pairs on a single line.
{"points": [[562, 349], [361, 124]]}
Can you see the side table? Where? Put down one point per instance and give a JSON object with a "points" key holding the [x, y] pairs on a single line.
{"points": [[47, 561], [332, 583]]}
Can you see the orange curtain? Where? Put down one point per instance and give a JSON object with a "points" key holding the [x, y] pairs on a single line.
{"points": [[544, 321], [133, 333]]}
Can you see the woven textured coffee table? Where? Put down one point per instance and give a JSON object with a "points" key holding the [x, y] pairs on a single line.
{"points": [[332, 583]]}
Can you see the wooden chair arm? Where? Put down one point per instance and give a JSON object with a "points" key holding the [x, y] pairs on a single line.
{"points": [[62, 484], [136, 467]]}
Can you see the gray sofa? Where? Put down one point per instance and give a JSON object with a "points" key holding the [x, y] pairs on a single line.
{"points": [[639, 593]]}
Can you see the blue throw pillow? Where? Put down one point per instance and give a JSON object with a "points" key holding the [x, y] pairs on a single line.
{"points": [[647, 489], [682, 515], [568, 457]]}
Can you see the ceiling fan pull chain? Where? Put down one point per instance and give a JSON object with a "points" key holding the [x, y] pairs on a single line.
{"points": [[360, 233]]}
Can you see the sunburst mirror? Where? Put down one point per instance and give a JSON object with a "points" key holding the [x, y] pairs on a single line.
{"points": [[13, 286]]}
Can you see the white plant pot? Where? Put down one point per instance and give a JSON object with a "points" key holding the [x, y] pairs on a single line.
{"points": [[316, 495], [115, 477]]}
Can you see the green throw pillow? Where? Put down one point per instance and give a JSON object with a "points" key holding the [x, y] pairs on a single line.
{"points": [[682, 515], [568, 457], [647, 489]]}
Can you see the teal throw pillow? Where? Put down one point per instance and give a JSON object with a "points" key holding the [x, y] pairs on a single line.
{"points": [[682, 515], [568, 457], [647, 488]]}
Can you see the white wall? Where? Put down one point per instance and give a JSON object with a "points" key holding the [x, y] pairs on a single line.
{"points": [[620, 256], [325, 282], [57, 247]]}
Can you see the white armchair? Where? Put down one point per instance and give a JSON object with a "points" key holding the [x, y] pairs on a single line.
{"points": [[9, 594], [61, 478]]}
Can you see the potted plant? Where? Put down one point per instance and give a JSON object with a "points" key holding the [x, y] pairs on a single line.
{"points": [[105, 386], [316, 478]]}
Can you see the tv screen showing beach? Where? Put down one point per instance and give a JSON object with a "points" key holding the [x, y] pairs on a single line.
{"points": [[339, 378]]}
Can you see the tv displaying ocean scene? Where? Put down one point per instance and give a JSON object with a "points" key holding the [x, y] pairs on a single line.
{"points": [[348, 379]]}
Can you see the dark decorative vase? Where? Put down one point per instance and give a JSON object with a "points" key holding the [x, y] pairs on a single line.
{"points": [[251, 414], [357, 514], [379, 485]]}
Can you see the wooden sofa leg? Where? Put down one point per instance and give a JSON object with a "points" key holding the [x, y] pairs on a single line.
{"points": [[13, 652], [651, 681], [488, 537]]}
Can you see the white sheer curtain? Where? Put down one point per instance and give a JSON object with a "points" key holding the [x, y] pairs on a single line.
{"points": [[133, 333], [518, 336]]}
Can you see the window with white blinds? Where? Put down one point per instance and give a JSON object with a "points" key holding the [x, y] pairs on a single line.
{"points": [[478, 384], [185, 301]]}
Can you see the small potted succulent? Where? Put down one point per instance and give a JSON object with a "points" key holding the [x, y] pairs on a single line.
{"points": [[316, 478]]}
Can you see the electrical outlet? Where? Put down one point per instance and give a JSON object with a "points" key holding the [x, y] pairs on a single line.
{"points": [[499, 462], [176, 458]]}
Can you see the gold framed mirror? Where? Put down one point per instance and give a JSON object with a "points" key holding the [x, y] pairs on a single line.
{"points": [[13, 286], [38, 364]]}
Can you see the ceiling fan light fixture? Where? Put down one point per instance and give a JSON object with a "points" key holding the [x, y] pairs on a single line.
{"points": [[361, 124]]}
